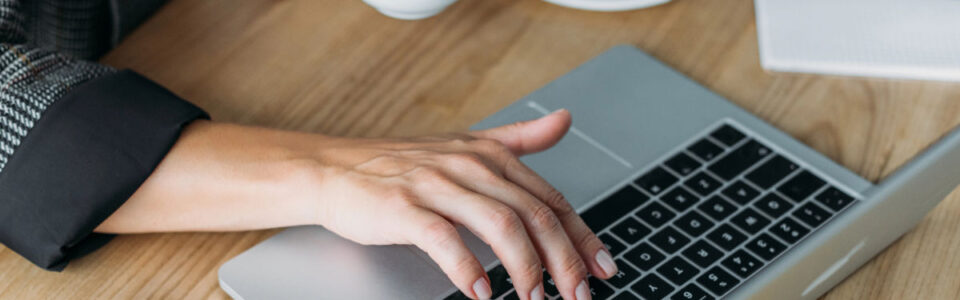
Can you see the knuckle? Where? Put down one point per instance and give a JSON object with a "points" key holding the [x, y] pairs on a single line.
{"points": [[439, 234], [429, 174], [401, 194], [504, 220], [465, 160], [491, 146], [557, 201], [543, 219], [532, 270], [573, 266], [465, 266], [588, 240]]}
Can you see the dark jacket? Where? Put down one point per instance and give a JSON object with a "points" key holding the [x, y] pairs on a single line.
{"points": [[76, 138]]}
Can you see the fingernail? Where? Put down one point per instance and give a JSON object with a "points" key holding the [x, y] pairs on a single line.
{"points": [[606, 262], [583, 292], [559, 110], [537, 292], [482, 289]]}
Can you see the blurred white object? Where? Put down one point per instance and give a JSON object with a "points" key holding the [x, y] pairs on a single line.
{"points": [[419, 9], [913, 39]]}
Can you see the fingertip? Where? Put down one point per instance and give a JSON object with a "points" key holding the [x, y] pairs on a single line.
{"points": [[604, 260], [481, 288]]}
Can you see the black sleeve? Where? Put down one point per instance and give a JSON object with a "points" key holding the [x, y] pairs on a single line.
{"points": [[87, 153]]}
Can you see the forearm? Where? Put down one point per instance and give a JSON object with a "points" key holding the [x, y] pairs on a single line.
{"points": [[223, 177]]}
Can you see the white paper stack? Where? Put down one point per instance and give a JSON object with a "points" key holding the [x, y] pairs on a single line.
{"points": [[914, 39]]}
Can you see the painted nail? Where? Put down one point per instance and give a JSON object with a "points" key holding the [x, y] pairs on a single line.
{"points": [[606, 262], [482, 289], [537, 293], [583, 291]]}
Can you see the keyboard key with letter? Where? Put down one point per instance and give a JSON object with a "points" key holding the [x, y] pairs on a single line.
{"points": [[726, 236], [789, 230], [644, 256], [702, 253], [630, 230], [766, 246], [717, 281], [677, 270], [652, 287]]}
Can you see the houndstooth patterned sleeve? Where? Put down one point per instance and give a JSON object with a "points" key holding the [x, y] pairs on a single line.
{"points": [[31, 79], [76, 138]]}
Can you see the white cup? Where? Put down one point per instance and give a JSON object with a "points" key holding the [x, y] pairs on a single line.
{"points": [[419, 9]]}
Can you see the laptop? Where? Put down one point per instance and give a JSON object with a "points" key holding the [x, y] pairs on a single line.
{"points": [[695, 197]]}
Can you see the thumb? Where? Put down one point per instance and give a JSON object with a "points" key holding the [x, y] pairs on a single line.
{"points": [[530, 136]]}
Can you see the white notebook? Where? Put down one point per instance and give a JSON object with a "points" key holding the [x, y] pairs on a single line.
{"points": [[913, 39]]}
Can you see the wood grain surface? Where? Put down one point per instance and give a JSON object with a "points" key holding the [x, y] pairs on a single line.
{"points": [[338, 67]]}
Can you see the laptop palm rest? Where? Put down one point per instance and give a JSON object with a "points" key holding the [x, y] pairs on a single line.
{"points": [[313, 263]]}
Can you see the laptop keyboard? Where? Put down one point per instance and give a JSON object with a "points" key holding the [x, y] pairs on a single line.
{"points": [[701, 222]]}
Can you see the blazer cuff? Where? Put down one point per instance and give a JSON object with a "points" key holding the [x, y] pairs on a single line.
{"points": [[87, 154]]}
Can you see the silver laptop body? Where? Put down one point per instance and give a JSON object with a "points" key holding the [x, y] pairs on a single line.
{"points": [[633, 116]]}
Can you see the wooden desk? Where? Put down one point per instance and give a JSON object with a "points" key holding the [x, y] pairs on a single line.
{"points": [[338, 67]]}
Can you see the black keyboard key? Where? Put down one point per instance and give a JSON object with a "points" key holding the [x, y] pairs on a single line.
{"points": [[691, 292], [773, 205], [717, 208], [726, 236], [655, 214], [702, 183], [612, 244], [706, 150], [683, 164], [750, 220], [656, 181], [717, 281], [800, 186], [652, 287], [680, 198], [702, 253], [766, 246], [630, 230], [609, 210], [789, 230], [669, 239], [625, 275], [599, 289], [741, 193], [499, 281], [727, 135], [834, 199], [511, 296], [550, 285], [644, 256], [677, 270], [693, 223], [812, 214], [739, 160], [625, 296], [771, 172], [457, 296], [742, 263]]}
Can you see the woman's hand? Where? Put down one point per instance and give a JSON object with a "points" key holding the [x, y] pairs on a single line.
{"points": [[383, 191]]}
